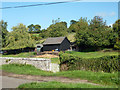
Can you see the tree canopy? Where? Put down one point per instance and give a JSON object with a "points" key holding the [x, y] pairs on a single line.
{"points": [[19, 38], [92, 33], [96, 34], [34, 28], [3, 32], [58, 29], [116, 28]]}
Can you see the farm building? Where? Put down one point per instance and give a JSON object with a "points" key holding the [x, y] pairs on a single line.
{"points": [[56, 43]]}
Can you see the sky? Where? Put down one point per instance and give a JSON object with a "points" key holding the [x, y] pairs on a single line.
{"points": [[43, 15]]}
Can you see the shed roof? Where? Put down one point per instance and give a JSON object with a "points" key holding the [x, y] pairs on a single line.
{"points": [[54, 40]]}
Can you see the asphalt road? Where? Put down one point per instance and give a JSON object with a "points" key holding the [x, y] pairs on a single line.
{"points": [[10, 82]]}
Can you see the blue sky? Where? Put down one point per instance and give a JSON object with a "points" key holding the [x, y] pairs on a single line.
{"points": [[44, 15]]}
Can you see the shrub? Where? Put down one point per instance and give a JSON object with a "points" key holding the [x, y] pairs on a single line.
{"points": [[104, 64]]}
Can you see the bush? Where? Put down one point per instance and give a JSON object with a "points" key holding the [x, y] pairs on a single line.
{"points": [[73, 62]]}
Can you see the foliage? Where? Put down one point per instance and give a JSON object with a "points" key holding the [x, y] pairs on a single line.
{"points": [[57, 30], [97, 23], [44, 33], [35, 37], [116, 28], [73, 62], [82, 24], [117, 44], [96, 35], [3, 32], [95, 77], [19, 38], [34, 28]]}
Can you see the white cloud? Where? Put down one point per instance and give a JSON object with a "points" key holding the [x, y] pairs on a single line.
{"points": [[104, 14]]}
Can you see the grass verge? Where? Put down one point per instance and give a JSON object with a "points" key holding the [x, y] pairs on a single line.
{"points": [[55, 84], [95, 77]]}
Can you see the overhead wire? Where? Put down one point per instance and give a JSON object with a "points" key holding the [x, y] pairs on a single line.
{"points": [[40, 4]]}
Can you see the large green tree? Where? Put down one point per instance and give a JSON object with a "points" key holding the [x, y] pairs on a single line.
{"points": [[58, 29], [116, 28], [94, 35], [73, 25], [19, 38], [3, 32]]}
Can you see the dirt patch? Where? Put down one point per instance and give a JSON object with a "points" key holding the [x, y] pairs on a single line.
{"points": [[47, 56], [46, 78]]}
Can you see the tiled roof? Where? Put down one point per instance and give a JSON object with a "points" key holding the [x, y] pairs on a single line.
{"points": [[54, 40]]}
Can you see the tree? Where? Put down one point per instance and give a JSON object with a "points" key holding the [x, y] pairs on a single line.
{"points": [[44, 33], [72, 27], [58, 29], [116, 28], [76, 25], [81, 32], [95, 35], [97, 23], [34, 28], [73, 22], [4, 32], [19, 38]]}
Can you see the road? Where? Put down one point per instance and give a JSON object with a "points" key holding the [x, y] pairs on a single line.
{"points": [[10, 82]]}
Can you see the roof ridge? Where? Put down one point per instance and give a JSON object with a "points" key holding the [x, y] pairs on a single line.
{"points": [[54, 40]]}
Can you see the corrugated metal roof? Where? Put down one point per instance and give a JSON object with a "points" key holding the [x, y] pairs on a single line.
{"points": [[54, 40]]}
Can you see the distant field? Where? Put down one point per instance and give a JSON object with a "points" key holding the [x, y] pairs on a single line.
{"points": [[92, 54], [24, 54], [71, 37]]}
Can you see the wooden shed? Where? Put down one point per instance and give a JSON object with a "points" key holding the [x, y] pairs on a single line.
{"points": [[56, 43]]}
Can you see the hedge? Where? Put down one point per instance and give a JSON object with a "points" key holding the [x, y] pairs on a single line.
{"points": [[73, 62]]}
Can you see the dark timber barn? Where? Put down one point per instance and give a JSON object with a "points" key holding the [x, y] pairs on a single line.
{"points": [[60, 43]]}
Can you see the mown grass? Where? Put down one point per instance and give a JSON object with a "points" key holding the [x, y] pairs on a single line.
{"points": [[96, 54], [55, 60], [54, 84], [81, 54], [110, 79]]}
